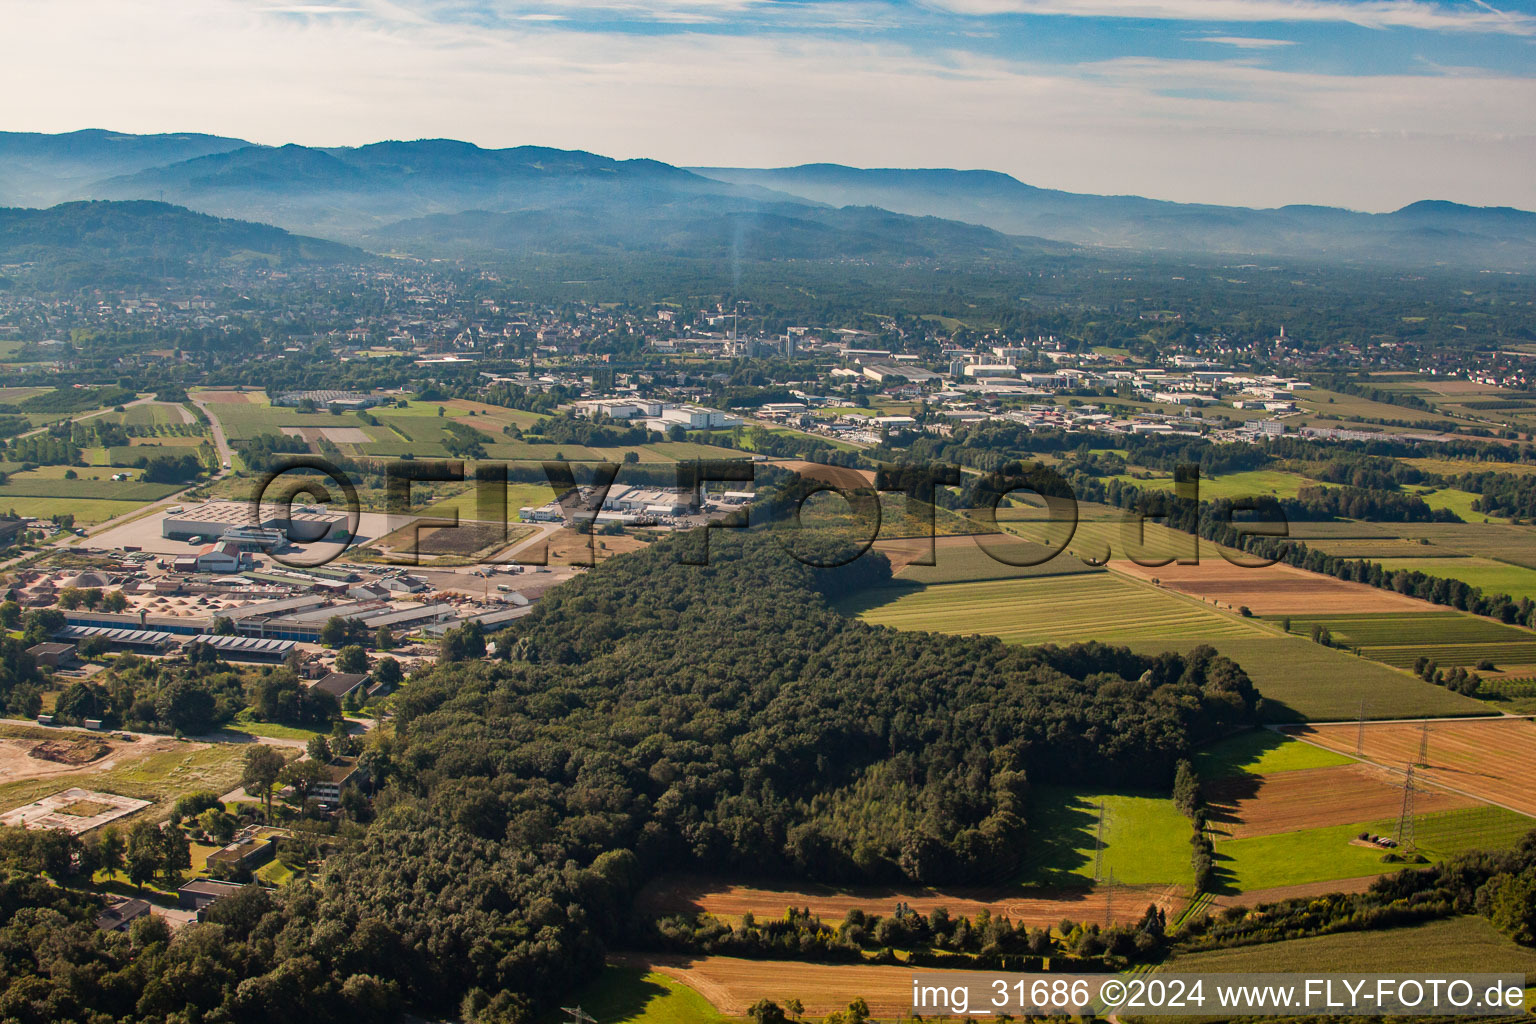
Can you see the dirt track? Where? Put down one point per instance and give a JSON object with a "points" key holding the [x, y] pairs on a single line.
{"points": [[1261, 805], [1036, 907], [1491, 759]]}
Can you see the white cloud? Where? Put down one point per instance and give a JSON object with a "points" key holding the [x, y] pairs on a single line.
{"points": [[1370, 13], [1215, 131], [1244, 42]]}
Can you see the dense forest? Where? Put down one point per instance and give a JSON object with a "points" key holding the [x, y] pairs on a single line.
{"points": [[650, 714]]}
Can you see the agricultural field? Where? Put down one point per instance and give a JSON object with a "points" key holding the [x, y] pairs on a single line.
{"points": [[630, 994], [1513, 544], [1269, 590], [1127, 838], [1490, 576], [732, 985], [1448, 638], [1262, 752], [1048, 609], [1460, 944], [1041, 907], [1247, 805], [1252, 484], [48, 482], [965, 560], [466, 502], [1304, 681], [87, 512], [1493, 760]]}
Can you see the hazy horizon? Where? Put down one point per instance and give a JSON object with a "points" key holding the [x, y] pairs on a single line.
{"points": [[1365, 104]]}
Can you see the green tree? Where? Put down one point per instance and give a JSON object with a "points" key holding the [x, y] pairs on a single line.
{"points": [[319, 748], [384, 639], [302, 776], [1186, 789], [107, 851], [115, 601], [386, 671], [766, 1011], [262, 767], [144, 853], [352, 658], [10, 614], [175, 854], [218, 824]]}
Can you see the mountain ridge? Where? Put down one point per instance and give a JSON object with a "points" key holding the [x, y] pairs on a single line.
{"points": [[389, 193]]}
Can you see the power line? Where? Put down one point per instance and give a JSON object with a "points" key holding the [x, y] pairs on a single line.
{"points": [[1405, 819]]}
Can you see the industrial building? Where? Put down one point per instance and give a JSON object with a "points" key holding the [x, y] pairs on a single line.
{"points": [[211, 520]]}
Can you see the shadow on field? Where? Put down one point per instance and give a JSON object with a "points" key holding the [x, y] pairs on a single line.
{"points": [[1061, 840]]}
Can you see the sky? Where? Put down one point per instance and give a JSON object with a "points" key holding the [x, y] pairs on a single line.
{"points": [[1368, 104]]}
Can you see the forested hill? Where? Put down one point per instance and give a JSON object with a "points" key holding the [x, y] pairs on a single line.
{"points": [[149, 239], [649, 716]]}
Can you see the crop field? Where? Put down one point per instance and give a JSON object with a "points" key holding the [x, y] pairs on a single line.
{"points": [[1493, 760], [687, 450], [86, 511], [1037, 906], [1270, 590], [1443, 627], [1460, 944], [1130, 838], [1457, 501], [466, 502], [732, 985], [44, 485], [1514, 544], [1303, 681], [1492, 577], [1262, 752], [1446, 638], [1252, 484], [1302, 857], [1377, 549], [1311, 798], [629, 994], [965, 560], [150, 414], [1048, 609]]}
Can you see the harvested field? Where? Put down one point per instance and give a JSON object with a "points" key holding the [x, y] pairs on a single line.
{"points": [[732, 985], [1490, 759], [223, 397], [1257, 805], [1273, 590], [689, 894]]}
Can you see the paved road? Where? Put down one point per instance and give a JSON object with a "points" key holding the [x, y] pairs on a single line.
{"points": [[226, 453]]}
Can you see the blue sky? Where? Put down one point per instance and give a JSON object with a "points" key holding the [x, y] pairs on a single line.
{"points": [[1362, 103]]}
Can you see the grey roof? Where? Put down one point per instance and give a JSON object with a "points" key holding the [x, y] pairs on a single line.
{"points": [[133, 637], [339, 684], [245, 644]]}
